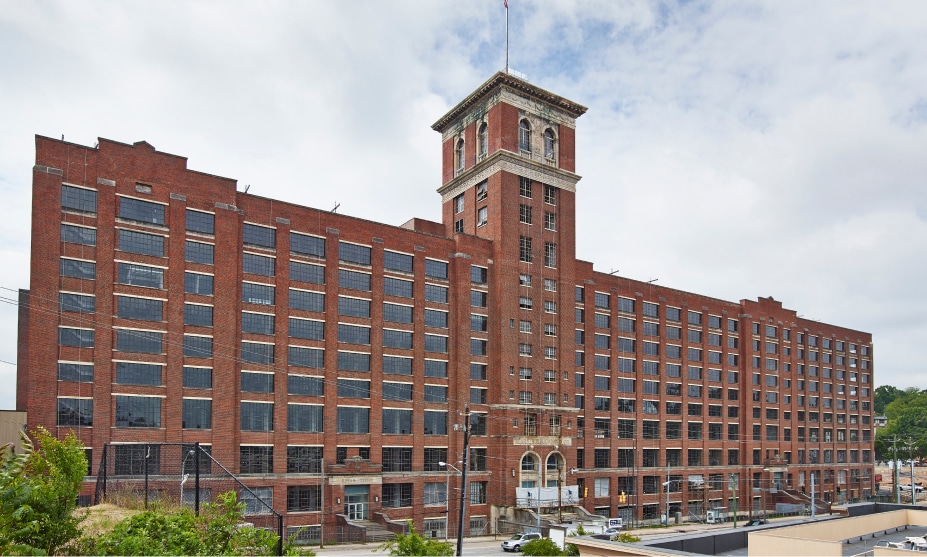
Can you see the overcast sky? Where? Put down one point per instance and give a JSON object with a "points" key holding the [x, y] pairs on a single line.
{"points": [[733, 149]]}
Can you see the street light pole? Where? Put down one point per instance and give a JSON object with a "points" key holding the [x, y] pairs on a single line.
{"points": [[447, 494]]}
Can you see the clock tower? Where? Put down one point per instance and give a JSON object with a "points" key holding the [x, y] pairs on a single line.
{"points": [[509, 176]]}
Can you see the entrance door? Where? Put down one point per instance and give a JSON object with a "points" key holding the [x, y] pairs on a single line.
{"points": [[356, 502]]}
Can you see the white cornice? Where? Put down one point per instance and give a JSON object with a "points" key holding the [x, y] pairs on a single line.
{"points": [[505, 161]]}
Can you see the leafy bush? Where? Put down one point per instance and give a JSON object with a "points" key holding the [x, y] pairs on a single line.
{"points": [[414, 544], [38, 494], [542, 546], [217, 531], [625, 537]]}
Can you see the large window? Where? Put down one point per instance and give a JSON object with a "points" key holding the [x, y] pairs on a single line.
{"points": [[254, 382], [257, 416], [199, 252], [253, 293], [397, 339], [138, 411], [397, 421], [78, 234], [397, 391], [353, 253], [303, 460], [307, 328], [256, 459], [353, 280], [71, 371], [397, 287], [304, 244], [524, 136], [306, 300], [81, 338], [258, 264], [77, 303], [353, 361], [257, 352], [137, 373], [78, 199], [144, 309], [77, 268], [303, 498], [261, 236], [197, 413], [197, 314], [139, 242], [395, 261], [197, 283], [141, 211], [198, 221], [353, 307], [145, 342], [257, 323], [75, 412], [524, 250], [435, 343], [305, 385], [305, 418], [298, 356], [436, 318], [435, 293], [140, 275], [353, 419], [305, 272], [197, 377], [397, 313], [353, 334], [196, 346], [436, 269], [397, 495], [435, 423], [353, 388]]}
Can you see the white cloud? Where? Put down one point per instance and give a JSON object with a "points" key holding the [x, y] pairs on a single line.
{"points": [[731, 148]]}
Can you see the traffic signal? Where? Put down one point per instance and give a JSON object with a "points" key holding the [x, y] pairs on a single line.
{"points": [[585, 492], [623, 498]]}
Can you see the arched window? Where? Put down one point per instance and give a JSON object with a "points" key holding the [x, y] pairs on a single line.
{"points": [[529, 463], [459, 155], [524, 136], [549, 144], [483, 143]]}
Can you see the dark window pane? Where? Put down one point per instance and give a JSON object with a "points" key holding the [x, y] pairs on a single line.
{"points": [[198, 221], [141, 211]]}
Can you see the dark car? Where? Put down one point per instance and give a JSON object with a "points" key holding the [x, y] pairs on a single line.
{"points": [[756, 522]]}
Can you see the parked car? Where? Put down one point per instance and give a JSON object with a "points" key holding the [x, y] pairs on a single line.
{"points": [[515, 542], [907, 487], [756, 522], [612, 533]]}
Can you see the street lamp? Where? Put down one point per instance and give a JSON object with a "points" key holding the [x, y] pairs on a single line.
{"points": [[447, 494]]}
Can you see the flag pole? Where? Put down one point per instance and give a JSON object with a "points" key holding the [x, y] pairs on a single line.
{"points": [[506, 36]]}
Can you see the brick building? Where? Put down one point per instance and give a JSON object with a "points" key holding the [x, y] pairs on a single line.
{"points": [[166, 306]]}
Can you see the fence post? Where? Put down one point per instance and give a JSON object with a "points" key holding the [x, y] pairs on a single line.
{"points": [[279, 534], [196, 469], [147, 454]]}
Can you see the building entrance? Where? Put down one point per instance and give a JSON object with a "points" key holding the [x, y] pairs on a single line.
{"points": [[357, 502]]}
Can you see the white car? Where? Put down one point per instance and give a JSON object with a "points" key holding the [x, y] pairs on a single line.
{"points": [[612, 533], [907, 487], [515, 542]]}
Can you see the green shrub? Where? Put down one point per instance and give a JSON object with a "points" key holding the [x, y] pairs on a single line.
{"points": [[414, 544], [38, 494]]}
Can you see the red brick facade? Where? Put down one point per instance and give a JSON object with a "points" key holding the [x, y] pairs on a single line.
{"points": [[599, 383]]}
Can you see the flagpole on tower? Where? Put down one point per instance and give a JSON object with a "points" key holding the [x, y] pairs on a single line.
{"points": [[506, 36]]}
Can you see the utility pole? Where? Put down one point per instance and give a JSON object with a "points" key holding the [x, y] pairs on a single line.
{"points": [[895, 485], [463, 480]]}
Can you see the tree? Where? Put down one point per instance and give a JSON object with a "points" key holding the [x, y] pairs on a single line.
{"points": [[883, 396], [414, 544], [38, 494]]}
